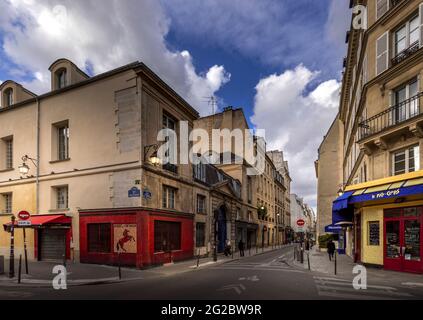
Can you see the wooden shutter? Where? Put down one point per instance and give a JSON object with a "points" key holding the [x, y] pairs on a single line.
{"points": [[364, 70], [382, 53], [382, 6], [421, 24]]}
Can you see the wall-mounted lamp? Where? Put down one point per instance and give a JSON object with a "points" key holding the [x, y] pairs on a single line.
{"points": [[340, 192], [24, 168], [153, 158]]}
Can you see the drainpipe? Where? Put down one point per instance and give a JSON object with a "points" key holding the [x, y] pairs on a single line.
{"points": [[37, 183]]}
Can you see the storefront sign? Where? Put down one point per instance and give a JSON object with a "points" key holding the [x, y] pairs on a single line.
{"points": [[125, 238], [134, 193]]}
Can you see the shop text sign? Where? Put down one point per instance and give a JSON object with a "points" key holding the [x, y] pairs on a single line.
{"points": [[386, 194]]}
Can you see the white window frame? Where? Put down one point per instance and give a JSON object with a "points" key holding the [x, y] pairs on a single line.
{"points": [[9, 153], [387, 9], [201, 204], [168, 199], [406, 25], [8, 203], [63, 142], [407, 159], [62, 197], [387, 52]]}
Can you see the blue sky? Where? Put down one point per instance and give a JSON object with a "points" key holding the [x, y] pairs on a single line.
{"points": [[279, 59]]}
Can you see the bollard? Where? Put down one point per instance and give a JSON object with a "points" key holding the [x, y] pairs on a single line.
{"points": [[20, 269], [64, 260], [308, 261], [335, 263], [302, 255], [249, 251], [198, 258], [295, 251], [119, 268]]}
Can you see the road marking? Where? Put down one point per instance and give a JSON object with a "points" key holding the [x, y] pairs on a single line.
{"points": [[260, 269], [253, 279], [238, 288], [343, 289], [412, 284]]}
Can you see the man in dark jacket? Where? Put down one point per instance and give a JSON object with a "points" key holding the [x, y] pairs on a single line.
{"points": [[241, 248], [331, 249]]}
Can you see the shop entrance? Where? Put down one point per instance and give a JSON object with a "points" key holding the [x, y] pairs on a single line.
{"points": [[402, 239]]}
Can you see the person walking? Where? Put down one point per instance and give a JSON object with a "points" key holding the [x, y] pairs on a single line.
{"points": [[228, 248], [331, 249], [241, 248]]}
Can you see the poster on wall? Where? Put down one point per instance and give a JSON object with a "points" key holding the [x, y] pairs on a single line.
{"points": [[125, 238]]}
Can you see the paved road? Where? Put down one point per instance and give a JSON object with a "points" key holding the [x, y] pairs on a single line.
{"points": [[269, 276]]}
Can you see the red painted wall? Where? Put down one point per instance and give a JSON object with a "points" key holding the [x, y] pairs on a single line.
{"points": [[144, 220]]}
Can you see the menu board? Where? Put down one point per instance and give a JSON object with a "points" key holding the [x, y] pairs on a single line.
{"points": [[374, 233]]}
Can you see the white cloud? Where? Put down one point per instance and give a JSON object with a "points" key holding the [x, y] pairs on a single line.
{"points": [[296, 120], [102, 36]]}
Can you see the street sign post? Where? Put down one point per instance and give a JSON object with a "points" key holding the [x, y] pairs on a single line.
{"points": [[300, 222], [24, 222], [24, 215]]}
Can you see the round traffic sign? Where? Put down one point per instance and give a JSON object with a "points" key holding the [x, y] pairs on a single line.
{"points": [[300, 222], [24, 215]]}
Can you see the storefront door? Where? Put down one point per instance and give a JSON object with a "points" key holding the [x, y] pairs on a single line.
{"points": [[402, 240]]}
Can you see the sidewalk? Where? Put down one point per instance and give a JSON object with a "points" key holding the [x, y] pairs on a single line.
{"points": [[41, 273], [319, 262]]}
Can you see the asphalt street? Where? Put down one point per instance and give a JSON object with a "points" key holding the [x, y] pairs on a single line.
{"points": [[269, 276]]}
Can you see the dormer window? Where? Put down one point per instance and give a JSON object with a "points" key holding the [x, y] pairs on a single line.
{"points": [[8, 98], [61, 78]]}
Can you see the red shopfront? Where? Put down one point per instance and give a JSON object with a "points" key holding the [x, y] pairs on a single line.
{"points": [[135, 237], [403, 229]]}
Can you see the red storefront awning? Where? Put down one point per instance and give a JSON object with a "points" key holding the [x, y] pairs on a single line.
{"points": [[41, 220]]}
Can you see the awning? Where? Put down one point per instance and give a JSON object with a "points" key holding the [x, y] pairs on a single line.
{"points": [[41, 220], [342, 202]]}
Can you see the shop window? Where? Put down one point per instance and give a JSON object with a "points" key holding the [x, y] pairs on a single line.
{"points": [[99, 238], [167, 236], [201, 204], [406, 161], [200, 234], [169, 195], [374, 233]]}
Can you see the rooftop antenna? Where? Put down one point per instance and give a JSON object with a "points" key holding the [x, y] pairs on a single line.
{"points": [[212, 102]]}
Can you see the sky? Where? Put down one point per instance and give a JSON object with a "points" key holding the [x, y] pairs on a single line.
{"points": [[280, 60]]}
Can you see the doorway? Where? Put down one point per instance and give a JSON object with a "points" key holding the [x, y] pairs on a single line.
{"points": [[402, 239], [221, 230]]}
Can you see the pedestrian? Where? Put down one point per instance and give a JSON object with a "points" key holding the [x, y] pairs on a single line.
{"points": [[331, 249], [307, 245], [228, 248], [241, 248]]}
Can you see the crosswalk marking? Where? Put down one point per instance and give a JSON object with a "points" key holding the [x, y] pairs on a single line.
{"points": [[343, 289], [270, 266]]}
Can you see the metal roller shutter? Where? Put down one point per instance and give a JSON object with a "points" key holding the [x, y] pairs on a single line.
{"points": [[53, 244]]}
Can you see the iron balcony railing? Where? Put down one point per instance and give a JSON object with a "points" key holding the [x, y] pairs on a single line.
{"points": [[391, 117], [405, 53]]}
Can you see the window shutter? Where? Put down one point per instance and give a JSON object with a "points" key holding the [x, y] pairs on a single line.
{"points": [[421, 24], [364, 70], [382, 6], [382, 53]]}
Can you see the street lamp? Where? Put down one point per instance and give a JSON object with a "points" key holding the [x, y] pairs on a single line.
{"points": [[340, 192]]}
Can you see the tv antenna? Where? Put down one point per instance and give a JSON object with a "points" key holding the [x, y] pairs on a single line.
{"points": [[212, 102]]}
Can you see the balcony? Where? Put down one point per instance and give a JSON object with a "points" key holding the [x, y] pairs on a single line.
{"points": [[405, 53], [401, 119]]}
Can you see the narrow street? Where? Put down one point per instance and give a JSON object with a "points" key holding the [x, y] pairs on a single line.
{"points": [[268, 276]]}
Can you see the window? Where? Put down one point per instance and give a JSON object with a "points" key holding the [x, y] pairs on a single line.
{"points": [[7, 203], [200, 234], [62, 197], [8, 98], [169, 123], [200, 172], [63, 142], [406, 106], [167, 236], [238, 214], [249, 190], [8, 152], [201, 204], [406, 161], [169, 194], [99, 238], [61, 78], [407, 35]]}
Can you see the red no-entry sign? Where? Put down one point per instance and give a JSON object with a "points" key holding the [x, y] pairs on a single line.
{"points": [[300, 222], [24, 215]]}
